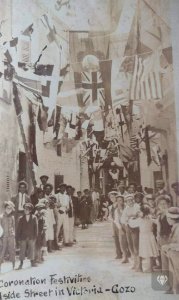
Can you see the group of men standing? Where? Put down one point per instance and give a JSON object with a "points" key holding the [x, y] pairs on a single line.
{"points": [[44, 221], [69, 209]]}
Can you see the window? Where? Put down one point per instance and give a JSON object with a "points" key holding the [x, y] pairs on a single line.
{"points": [[58, 179]]}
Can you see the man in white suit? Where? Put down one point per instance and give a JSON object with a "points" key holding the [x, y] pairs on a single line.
{"points": [[63, 205]]}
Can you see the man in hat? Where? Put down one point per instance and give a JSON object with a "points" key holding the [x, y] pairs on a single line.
{"points": [[122, 188], [168, 259], [63, 205], [7, 224], [160, 189], [175, 187], [44, 179], [131, 210], [20, 199], [112, 209], [27, 231], [71, 214], [131, 188]]}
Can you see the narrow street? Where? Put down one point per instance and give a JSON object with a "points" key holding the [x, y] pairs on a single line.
{"points": [[93, 256]]}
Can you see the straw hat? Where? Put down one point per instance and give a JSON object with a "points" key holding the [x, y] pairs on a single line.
{"points": [[173, 213]]}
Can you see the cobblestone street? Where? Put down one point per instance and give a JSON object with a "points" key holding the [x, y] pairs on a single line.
{"points": [[93, 256]]}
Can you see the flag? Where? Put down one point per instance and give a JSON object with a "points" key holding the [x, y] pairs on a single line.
{"points": [[93, 88], [12, 43], [82, 44], [42, 115], [43, 70], [98, 121], [134, 142], [56, 127], [151, 31], [29, 84], [167, 52], [89, 54], [146, 79], [24, 50], [32, 135], [64, 71], [23, 66], [40, 55], [105, 69], [127, 113], [8, 57], [5, 86], [68, 94], [9, 72], [120, 82], [28, 31], [120, 120], [16, 99], [156, 154], [51, 31], [147, 143], [79, 133], [96, 86]]}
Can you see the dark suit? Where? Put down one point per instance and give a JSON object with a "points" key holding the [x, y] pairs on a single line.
{"points": [[19, 213], [26, 234]]}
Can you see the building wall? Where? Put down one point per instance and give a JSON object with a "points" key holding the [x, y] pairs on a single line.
{"points": [[68, 164], [9, 142]]}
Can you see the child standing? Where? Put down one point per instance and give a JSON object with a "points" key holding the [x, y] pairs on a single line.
{"points": [[26, 234], [147, 244], [163, 227], [50, 222], [7, 223], [41, 237]]}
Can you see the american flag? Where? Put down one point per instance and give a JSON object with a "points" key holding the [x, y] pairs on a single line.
{"points": [[93, 89], [146, 80]]}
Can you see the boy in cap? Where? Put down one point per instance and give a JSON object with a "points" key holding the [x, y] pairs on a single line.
{"points": [[41, 244], [27, 231], [7, 223]]}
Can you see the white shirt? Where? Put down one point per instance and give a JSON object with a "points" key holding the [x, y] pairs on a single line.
{"points": [[124, 194], [128, 212], [21, 201], [63, 201], [95, 196]]}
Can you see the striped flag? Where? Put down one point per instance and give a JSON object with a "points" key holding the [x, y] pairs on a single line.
{"points": [[146, 80], [134, 142]]}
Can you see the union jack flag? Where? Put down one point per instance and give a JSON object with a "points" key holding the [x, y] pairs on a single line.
{"points": [[93, 89]]}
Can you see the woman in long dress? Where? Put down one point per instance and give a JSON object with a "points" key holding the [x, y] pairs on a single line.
{"points": [[85, 209], [148, 248]]}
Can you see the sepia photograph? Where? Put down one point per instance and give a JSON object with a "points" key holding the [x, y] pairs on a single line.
{"points": [[89, 149]]}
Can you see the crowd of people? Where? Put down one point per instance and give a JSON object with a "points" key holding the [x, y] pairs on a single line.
{"points": [[145, 224], [34, 225], [146, 229]]}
